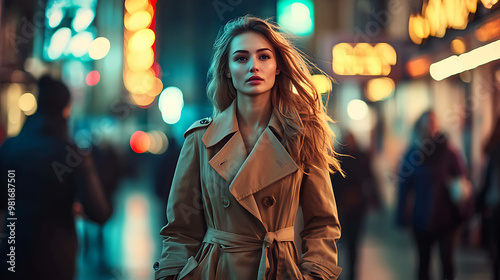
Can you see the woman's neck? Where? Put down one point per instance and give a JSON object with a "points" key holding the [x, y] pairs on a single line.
{"points": [[254, 112]]}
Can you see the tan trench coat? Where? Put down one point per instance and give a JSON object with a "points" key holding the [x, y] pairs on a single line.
{"points": [[231, 216]]}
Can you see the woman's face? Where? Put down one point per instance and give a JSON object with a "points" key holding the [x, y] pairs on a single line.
{"points": [[252, 64]]}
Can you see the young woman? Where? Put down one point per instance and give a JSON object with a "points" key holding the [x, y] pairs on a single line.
{"points": [[241, 176]]}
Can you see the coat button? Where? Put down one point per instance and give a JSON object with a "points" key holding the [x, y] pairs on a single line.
{"points": [[225, 201], [268, 201], [156, 266], [204, 121]]}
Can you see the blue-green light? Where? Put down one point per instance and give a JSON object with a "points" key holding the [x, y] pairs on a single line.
{"points": [[297, 16]]}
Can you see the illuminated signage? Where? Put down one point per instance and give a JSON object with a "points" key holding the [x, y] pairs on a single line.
{"points": [[456, 64], [439, 15], [140, 71], [363, 59]]}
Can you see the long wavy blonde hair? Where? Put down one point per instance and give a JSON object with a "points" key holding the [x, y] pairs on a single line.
{"points": [[296, 102]]}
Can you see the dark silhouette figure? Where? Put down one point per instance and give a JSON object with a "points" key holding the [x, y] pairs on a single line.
{"points": [[425, 200], [50, 174], [165, 172], [355, 194], [488, 201]]}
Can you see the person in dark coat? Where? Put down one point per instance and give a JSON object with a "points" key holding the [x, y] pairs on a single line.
{"points": [[488, 201], [42, 175], [356, 194], [428, 170]]}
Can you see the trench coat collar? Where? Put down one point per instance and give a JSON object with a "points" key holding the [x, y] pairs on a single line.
{"points": [[226, 123], [267, 163]]}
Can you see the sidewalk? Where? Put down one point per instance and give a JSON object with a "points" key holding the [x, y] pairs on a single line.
{"points": [[387, 253]]}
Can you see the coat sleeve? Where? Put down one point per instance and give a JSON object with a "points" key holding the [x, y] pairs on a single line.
{"points": [[96, 206], [186, 227], [321, 226]]}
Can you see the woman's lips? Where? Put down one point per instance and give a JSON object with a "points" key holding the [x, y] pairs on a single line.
{"points": [[255, 80]]}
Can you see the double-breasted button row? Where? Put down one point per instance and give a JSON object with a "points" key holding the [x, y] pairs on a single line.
{"points": [[204, 121], [268, 201], [156, 266]]}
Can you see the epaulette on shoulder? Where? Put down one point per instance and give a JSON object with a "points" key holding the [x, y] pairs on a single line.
{"points": [[198, 124]]}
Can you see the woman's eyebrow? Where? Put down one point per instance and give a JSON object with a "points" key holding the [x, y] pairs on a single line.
{"points": [[259, 50]]}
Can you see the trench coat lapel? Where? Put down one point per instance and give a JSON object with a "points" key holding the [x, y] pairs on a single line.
{"points": [[267, 163]]}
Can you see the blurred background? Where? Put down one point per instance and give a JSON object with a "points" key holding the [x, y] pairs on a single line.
{"points": [[137, 69]]}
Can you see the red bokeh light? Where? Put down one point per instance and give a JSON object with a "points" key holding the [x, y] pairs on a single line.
{"points": [[93, 78]]}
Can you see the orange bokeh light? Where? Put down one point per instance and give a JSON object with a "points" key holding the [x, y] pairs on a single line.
{"points": [[139, 142]]}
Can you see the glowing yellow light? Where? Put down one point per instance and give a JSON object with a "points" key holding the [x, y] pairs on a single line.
{"points": [[489, 3], [342, 57], [411, 31], [139, 82], [142, 100], [140, 60], [137, 20], [471, 5], [439, 15], [380, 88], [322, 83], [357, 109], [14, 116], [418, 27], [27, 103], [458, 46], [156, 88], [466, 61], [141, 40], [363, 59], [99, 48], [136, 5], [373, 66], [386, 52]]}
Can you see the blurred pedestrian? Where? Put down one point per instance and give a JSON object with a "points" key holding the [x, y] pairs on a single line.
{"points": [[166, 171], [42, 175], [488, 202], [427, 201], [241, 176], [355, 193]]}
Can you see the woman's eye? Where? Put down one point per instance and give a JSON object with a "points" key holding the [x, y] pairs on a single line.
{"points": [[240, 58], [265, 56]]}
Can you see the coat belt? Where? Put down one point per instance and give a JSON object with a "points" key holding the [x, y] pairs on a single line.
{"points": [[234, 243]]}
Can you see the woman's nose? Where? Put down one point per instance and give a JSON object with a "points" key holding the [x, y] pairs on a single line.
{"points": [[253, 65]]}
